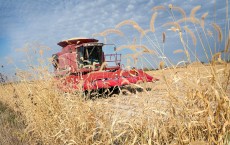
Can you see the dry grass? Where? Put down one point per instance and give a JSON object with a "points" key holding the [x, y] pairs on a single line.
{"points": [[189, 105], [202, 19], [11, 126], [194, 10], [179, 9], [152, 28], [191, 34], [218, 30]]}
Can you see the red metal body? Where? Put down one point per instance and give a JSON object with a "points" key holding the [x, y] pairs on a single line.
{"points": [[82, 65]]}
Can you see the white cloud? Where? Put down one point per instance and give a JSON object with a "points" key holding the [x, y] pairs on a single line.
{"points": [[129, 8]]}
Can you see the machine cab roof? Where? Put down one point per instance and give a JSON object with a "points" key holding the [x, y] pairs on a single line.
{"points": [[80, 53], [76, 41]]}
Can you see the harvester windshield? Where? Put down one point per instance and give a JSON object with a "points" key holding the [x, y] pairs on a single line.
{"points": [[90, 54]]}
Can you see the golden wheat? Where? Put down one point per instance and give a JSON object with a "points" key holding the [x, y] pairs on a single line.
{"points": [[139, 29], [96, 34], [145, 32], [109, 31], [161, 65], [178, 51], [126, 22], [179, 9], [209, 33], [41, 52], [149, 51], [133, 23], [106, 32], [202, 19], [194, 10], [158, 8], [191, 34], [132, 47], [175, 24], [170, 6], [216, 56], [173, 29], [218, 30], [51, 115], [188, 19], [152, 28], [227, 45]]}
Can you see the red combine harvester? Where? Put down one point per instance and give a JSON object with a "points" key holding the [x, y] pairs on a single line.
{"points": [[82, 65]]}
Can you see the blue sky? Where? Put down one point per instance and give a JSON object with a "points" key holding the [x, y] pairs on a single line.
{"points": [[48, 21]]}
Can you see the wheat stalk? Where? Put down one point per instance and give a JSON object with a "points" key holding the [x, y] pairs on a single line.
{"points": [[145, 32], [96, 34], [209, 33], [218, 30], [179, 9], [191, 34], [178, 51], [133, 47], [194, 10], [134, 40], [139, 29], [189, 19], [41, 52], [149, 51], [126, 22], [108, 31], [173, 29], [170, 6], [202, 19], [227, 45], [175, 24], [156, 8], [152, 28], [216, 56], [133, 23], [161, 65]]}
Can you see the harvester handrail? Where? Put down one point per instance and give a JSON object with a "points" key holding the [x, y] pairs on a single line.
{"points": [[115, 56]]}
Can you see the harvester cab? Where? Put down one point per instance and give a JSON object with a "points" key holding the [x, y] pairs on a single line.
{"points": [[83, 65], [83, 55]]}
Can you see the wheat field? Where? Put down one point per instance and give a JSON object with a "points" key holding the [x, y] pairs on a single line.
{"points": [[190, 104]]}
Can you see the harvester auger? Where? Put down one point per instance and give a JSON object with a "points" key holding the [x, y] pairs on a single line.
{"points": [[82, 65]]}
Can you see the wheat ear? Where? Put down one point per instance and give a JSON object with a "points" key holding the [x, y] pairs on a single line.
{"points": [[218, 30], [202, 19], [191, 34], [152, 28]]}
